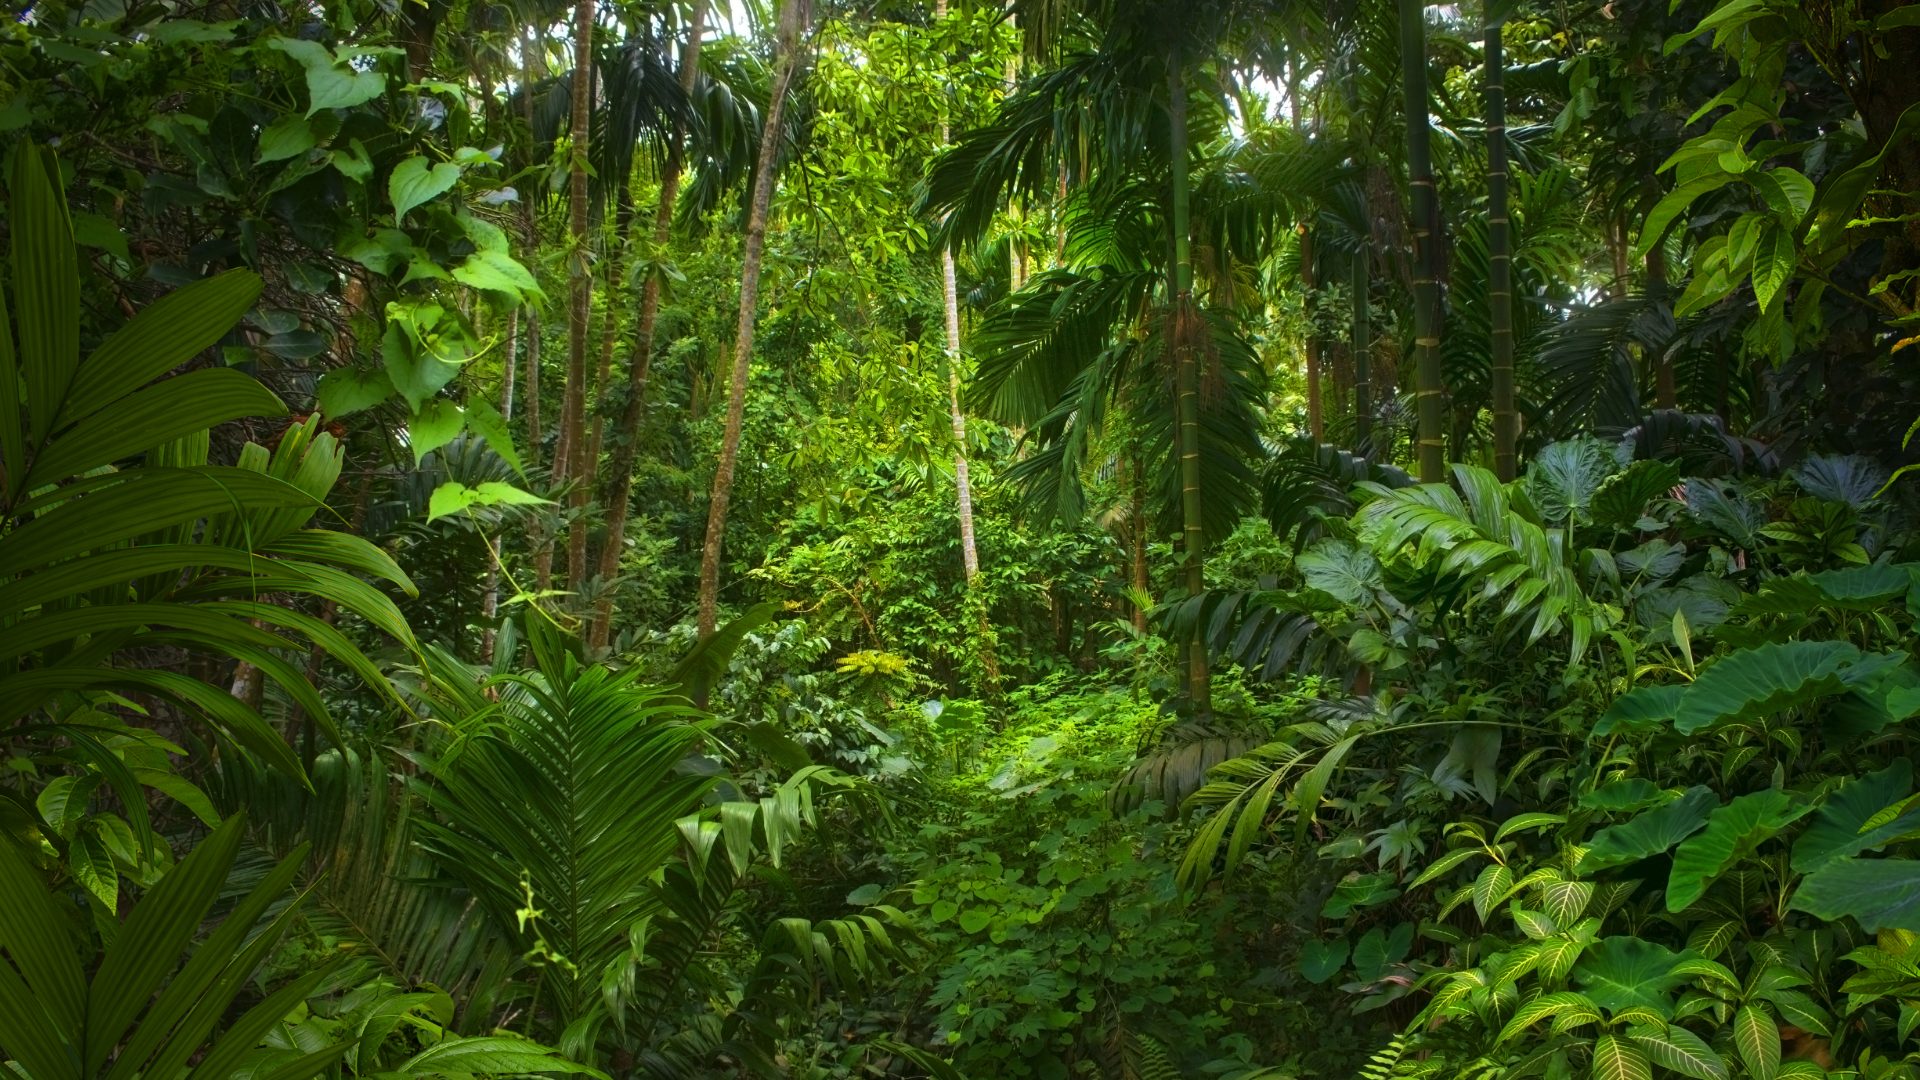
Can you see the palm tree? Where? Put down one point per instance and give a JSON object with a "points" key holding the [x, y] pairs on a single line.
{"points": [[572, 463], [1506, 418], [1429, 385], [795, 17], [619, 491], [1111, 127]]}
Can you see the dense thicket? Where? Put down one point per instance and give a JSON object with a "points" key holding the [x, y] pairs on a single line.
{"points": [[939, 538]]}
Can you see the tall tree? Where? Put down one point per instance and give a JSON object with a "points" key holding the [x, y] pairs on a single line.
{"points": [[626, 445], [795, 15], [577, 469], [1506, 417], [1429, 386], [1186, 333]]}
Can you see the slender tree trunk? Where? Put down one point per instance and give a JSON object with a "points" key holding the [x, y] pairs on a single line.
{"points": [[1187, 383], [1429, 386], [541, 543], [794, 16], [578, 470], [1506, 416], [1666, 392], [1362, 350], [962, 483], [1137, 540], [610, 326], [626, 447], [490, 600], [1316, 420]]}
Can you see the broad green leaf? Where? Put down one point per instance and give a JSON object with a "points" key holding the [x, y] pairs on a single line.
{"points": [[1773, 265], [1321, 960], [1679, 1050], [1340, 569], [1877, 893], [348, 390], [1757, 1038], [490, 1055], [1644, 708], [1614, 1058], [290, 136], [1491, 888], [496, 271], [1625, 796], [1733, 832], [433, 426], [1788, 193], [1565, 901], [1661, 217], [1621, 973], [485, 421], [453, 497], [1650, 833], [1844, 826], [153, 417], [1758, 683], [415, 181], [332, 83], [46, 288]]}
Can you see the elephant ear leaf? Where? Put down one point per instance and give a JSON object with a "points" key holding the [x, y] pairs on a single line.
{"points": [[1733, 831], [1754, 684], [1650, 833], [1853, 819], [1620, 973], [1880, 894]]}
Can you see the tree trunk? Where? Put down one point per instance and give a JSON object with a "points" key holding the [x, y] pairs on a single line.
{"points": [[1429, 387], [1666, 394], [1362, 351], [610, 326], [577, 469], [626, 448], [541, 543], [793, 20], [1187, 383], [1506, 417], [1316, 420], [1137, 540], [490, 601]]}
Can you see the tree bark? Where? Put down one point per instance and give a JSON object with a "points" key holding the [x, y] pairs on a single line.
{"points": [[794, 16], [1429, 385], [618, 497], [1316, 420], [1362, 350], [1666, 393], [577, 469], [1187, 384], [610, 326], [1506, 416], [490, 601]]}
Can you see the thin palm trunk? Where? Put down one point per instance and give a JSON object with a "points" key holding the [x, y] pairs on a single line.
{"points": [[618, 497], [610, 326], [1137, 541], [1362, 350], [1316, 420], [1187, 382], [1429, 387], [793, 19], [962, 481], [1666, 393], [577, 469], [538, 539], [1506, 417], [490, 601]]}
